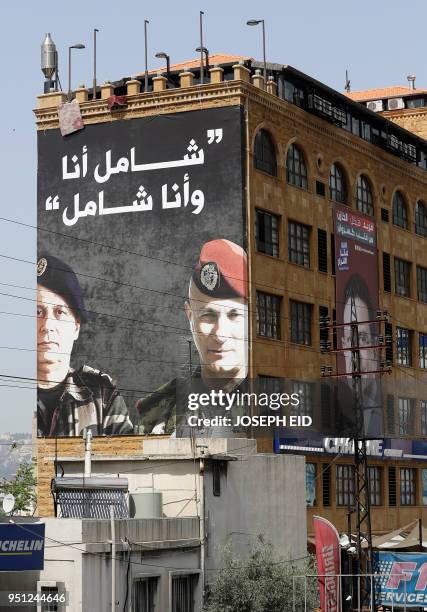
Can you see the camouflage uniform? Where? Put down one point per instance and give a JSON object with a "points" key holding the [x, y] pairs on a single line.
{"points": [[90, 400], [158, 411]]}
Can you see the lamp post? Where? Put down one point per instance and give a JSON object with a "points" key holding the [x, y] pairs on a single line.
{"points": [[255, 22], [95, 30], [146, 22], [206, 54], [201, 47], [77, 46], [163, 55]]}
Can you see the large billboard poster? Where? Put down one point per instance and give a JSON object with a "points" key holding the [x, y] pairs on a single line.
{"points": [[356, 268], [141, 268]]}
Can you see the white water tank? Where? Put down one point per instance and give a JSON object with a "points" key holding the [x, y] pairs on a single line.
{"points": [[146, 504]]}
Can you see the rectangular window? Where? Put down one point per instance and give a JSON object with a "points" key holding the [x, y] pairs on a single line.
{"points": [[300, 322], [375, 485], [326, 485], [385, 215], [323, 327], [305, 394], [390, 421], [299, 243], [408, 478], [183, 590], [143, 594], [423, 350], [403, 346], [267, 233], [423, 416], [392, 487], [216, 479], [49, 606], [422, 284], [310, 484], [333, 254], [386, 273], [406, 412], [320, 188], [388, 329], [402, 277], [345, 485], [268, 315], [322, 250]]}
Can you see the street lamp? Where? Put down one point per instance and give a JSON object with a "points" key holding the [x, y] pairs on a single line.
{"points": [[206, 54], [255, 22], [146, 22], [163, 55], [77, 46]]}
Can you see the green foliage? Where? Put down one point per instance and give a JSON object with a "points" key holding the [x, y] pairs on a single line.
{"points": [[261, 583], [22, 486]]}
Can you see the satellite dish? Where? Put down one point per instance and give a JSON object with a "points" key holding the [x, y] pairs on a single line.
{"points": [[8, 503]]}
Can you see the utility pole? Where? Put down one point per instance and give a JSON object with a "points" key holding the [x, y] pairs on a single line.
{"points": [[362, 497]]}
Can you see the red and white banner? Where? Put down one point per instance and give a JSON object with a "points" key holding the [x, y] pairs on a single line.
{"points": [[328, 554]]}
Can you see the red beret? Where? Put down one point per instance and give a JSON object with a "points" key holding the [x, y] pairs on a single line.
{"points": [[222, 270]]}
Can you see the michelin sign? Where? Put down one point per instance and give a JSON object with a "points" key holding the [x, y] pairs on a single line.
{"points": [[21, 547]]}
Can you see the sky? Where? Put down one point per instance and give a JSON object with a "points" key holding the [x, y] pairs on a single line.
{"points": [[380, 43]]}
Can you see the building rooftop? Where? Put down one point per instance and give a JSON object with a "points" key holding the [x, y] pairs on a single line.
{"points": [[384, 92]]}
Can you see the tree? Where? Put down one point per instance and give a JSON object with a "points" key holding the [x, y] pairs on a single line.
{"points": [[262, 583], [22, 487]]}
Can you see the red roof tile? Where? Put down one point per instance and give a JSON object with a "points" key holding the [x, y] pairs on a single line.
{"points": [[384, 92], [217, 58]]}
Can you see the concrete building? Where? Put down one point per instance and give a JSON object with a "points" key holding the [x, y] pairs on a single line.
{"points": [[163, 559], [300, 138]]}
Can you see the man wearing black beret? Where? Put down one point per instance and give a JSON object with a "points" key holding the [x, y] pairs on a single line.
{"points": [[68, 401], [216, 310]]}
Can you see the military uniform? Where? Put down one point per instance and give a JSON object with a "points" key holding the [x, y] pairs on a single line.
{"points": [[86, 398], [220, 272], [89, 399]]}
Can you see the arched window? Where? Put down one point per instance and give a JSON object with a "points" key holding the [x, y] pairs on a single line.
{"points": [[337, 184], [264, 153], [364, 196], [296, 170], [400, 213], [421, 218]]}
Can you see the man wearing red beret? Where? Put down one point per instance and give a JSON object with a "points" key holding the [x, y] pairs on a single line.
{"points": [[217, 313]]}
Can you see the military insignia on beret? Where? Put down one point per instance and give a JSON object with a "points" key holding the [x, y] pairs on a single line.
{"points": [[209, 276], [41, 266]]}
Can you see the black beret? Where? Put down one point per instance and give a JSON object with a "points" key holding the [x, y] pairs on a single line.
{"points": [[57, 276]]}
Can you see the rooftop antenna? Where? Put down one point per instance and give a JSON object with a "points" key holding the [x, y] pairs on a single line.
{"points": [[347, 86], [411, 80], [49, 64], [8, 503]]}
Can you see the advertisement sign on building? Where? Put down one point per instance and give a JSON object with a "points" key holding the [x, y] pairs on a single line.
{"points": [[357, 302], [328, 555], [403, 580], [141, 250], [21, 547]]}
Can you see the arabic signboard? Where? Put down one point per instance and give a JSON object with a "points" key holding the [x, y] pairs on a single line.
{"points": [[356, 289], [129, 212], [21, 547], [403, 580]]}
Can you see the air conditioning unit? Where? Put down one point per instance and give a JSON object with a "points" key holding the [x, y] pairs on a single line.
{"points": [[395, 103], [375, 105]]}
